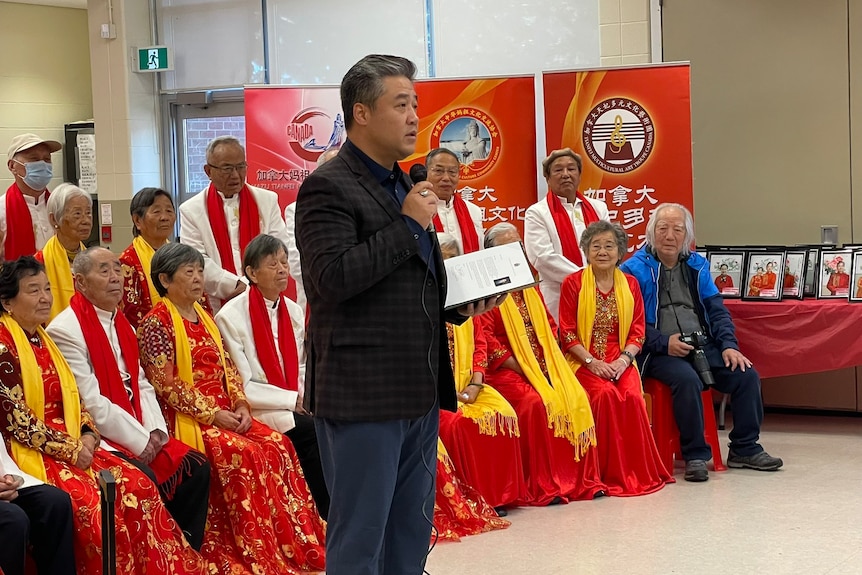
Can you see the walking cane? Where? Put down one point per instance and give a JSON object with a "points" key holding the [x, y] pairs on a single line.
{"points": [[108, 490]]}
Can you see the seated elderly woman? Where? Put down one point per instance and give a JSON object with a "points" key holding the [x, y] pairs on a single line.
{"points": [[602, 330], [482, 436], [70, 210], [264, 333], [527, 366], [261, 513], [53, 439], [153, 219]]}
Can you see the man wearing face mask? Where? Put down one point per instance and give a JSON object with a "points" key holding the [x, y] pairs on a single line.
{"points": [[24, 224]]}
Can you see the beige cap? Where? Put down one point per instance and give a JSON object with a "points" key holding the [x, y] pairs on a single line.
{"points": [[23, 142]]}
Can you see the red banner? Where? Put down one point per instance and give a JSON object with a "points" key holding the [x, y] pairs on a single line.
{"points": [[490, 125], [286, 130], [632, 127]]}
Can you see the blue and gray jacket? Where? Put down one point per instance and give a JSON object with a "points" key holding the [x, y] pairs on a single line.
{"points": [[714, 316]]}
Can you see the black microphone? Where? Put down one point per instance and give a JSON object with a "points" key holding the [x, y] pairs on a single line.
{"points": [[418, 173]]}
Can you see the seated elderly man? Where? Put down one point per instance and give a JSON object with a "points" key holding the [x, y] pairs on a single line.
{"points": [[264, 333], [455, 215], [681, 300], [32, 513], [100, 346]]}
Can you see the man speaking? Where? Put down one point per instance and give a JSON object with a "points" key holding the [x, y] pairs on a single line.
{"points": [[378, 368]]}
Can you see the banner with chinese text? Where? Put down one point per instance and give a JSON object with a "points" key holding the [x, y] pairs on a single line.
{"points": [[286, 130], [490, 124], [632, 127]]}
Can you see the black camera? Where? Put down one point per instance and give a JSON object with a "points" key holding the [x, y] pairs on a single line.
{"points": [[698, 340]]}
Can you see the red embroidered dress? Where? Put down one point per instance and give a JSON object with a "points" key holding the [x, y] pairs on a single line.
{"points": [[459, 510], [148, 540], [261, 512], [628, 457]]}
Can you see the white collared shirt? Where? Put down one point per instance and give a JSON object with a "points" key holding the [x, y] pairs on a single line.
{"points": [[9, 467], [449, 219]]}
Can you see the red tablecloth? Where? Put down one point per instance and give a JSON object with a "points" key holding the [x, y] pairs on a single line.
{"points": [[793, 337]]}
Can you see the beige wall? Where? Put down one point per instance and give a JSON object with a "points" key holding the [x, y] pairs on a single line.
{"points": [[770, 116], [44, 75], [625, 32]]}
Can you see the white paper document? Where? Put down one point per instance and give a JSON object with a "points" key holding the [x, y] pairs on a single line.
{"points": [[486, 273]]}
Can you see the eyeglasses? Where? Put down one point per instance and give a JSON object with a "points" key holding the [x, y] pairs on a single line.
{"points": [[453, 172], [228, 170]]}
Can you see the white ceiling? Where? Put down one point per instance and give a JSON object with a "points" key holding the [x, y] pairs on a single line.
{"points": [[60, 3]]}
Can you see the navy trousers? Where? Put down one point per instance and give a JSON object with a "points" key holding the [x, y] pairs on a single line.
{"points": [[686, 387], [42, 517], [381, 478]]}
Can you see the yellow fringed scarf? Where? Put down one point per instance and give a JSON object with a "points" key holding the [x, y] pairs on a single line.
{"points": [[28, 459], [587, 309], [145, 254], [566, 401], [490, 408], [186, 428], [59, 272]]}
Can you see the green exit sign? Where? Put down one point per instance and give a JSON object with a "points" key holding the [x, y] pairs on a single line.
{"points": [[154, 59]]}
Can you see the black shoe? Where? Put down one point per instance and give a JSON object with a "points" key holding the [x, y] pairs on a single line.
{"points": [[556, 501], [695, 470], [500, 511], [761, 461], [599, 493]]}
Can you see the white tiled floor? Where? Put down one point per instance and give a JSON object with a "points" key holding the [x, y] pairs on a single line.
{"points": [[804, 519]]}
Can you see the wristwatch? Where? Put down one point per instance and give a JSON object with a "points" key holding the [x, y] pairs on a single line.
{"points": [[588, 360], [629, 355]]}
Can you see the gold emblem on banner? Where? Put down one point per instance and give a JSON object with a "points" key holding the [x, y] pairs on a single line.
{"points": [[618, 135]]}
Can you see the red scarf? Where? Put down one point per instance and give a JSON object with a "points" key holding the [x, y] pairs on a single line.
{"points": [[285, 377], [249, 223], [469, 237], [21, 242], [566, 230], [102, 355], [107, 371]]}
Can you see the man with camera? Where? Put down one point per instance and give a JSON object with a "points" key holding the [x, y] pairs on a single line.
{"points": [[691, 343]]}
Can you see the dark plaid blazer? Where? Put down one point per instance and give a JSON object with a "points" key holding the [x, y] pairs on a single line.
{"points": [[376, 342]]}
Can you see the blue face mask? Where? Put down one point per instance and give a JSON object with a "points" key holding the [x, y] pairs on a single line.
{"points": [[38, 175]]}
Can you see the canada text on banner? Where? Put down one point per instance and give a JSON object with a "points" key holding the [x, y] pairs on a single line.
{"points": [[287, 128], [490, 125], [632, 128]]}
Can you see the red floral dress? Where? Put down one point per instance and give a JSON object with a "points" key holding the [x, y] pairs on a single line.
{"points": [[148, 540], [261, 512], [459, 510], [628, 457]]}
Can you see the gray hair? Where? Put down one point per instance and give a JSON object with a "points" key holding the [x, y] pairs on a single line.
{"points": [[363, 83], [168, 259], [326, 156], [222, 141], [437, 151], [621, 238], [260, 248], [448, 241], [83, 262], [689, 226], [503, 228], [60, 197], [556, 155]]}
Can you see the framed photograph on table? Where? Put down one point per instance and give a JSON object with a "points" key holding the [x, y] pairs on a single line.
{"points": [[794, 274], [856, 277], [833, 274], [726, 267], [763, 276], [809, 285]]}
